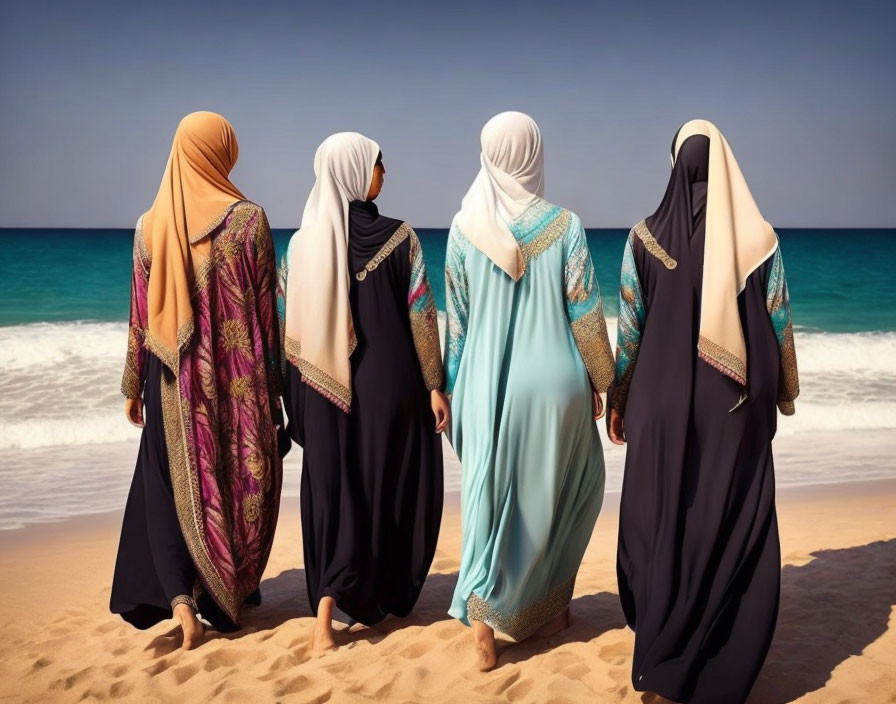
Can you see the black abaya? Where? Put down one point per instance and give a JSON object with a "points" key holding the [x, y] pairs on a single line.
{"points": [[154, 568], [698, 556], [371, 494]]}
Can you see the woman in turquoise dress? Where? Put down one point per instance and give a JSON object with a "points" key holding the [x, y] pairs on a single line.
{"points": [[527, 355]]}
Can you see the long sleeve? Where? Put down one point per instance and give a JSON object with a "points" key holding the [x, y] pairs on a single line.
{"points": [[632, 315], [424, 319], [584, 308], [266, 297], [778, 305], [135, 361], [456, 304]]}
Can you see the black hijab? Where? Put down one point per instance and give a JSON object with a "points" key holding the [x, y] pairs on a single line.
{"points": [[681, 214]]}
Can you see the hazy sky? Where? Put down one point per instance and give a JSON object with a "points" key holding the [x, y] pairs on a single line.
{"points": [[91, 92]]}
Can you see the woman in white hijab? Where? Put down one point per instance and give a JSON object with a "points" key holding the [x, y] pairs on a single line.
{"points": [[705, 354], [527, 355], [363, 386]]}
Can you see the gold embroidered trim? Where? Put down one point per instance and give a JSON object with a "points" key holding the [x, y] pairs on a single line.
{"points": [[590, 334], [525, 621], [318, 379], [187, 493], [400, 235], [789, 385], [652, 246], [425, 331], [184, 599], [722, 360], [214, 224], [551, 233]]}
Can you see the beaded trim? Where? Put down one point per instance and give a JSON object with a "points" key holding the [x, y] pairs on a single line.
{"points": [[525, 621], [317, 379], [184, 599], [652, 246], [722, 360], [590, 334], [399, 236]]}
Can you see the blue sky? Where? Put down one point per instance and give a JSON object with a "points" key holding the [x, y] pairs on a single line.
{"points": [[91, 92]]}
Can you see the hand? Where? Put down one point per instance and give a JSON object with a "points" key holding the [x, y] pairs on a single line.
{"points": [[597, 405], [615, 428], [441, 409], [133, 411]]}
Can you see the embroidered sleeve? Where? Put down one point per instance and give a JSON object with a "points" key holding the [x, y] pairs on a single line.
{"points": [[778, 304], [584, 308], [632, 315], [266, 297], [456, 304], [135, 361], [424, 319]]}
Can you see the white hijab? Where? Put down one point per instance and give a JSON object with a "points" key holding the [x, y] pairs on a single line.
{"points": [[510, 180], [320, 335], [738, 240]]}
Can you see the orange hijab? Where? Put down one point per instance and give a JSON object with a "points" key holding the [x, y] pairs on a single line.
{"points": [[194, 198]]}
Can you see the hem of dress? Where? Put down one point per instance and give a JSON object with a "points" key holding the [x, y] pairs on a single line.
{"points": [[523, 622]]}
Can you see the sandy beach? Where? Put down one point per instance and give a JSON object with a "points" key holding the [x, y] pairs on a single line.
{"points": [[835, 640]]}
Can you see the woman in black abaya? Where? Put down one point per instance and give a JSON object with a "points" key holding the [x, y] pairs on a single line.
{"points": [[705, 353], [365, 401]]}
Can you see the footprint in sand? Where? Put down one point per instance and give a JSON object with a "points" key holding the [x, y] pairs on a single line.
{"points": [[183, 673], [120, 689], [73, 680], [105, 628], [615, 654], [40, 664]]}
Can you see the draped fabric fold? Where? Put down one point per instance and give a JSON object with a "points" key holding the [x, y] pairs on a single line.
{"points": [[193, 199], [510, 180], [738, 241], [320, 335]]}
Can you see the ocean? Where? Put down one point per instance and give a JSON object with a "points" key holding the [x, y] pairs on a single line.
{"points": [[66, 448]]}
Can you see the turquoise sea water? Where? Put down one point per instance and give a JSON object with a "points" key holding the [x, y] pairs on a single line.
{"points": [[840, 280], [66, 449]]}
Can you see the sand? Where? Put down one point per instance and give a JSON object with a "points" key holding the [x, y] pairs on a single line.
{"points": [[835, 641]]}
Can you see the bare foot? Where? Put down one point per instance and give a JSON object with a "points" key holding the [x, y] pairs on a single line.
{"points": [[555, 625], [322, 638], [193, 630], [484, 639]]}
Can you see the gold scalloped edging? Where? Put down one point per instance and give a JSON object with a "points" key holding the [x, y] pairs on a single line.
{"points": [[722, 360], [525, 621], [652, 246], [184, 599]]}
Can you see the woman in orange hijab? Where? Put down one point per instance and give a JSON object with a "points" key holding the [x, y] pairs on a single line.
{"points": [[202, 379]]}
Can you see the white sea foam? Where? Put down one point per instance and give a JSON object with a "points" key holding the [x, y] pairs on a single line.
{"points": [[63, 430], [59, 383]]}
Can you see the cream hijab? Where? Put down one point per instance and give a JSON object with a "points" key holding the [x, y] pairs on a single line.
{"points": [[738, 241], [194, 197], [320, 335], [510, 179]]}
